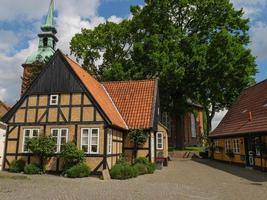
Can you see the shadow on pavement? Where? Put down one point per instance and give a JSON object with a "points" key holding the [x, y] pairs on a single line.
{"points": [[249, 174]]}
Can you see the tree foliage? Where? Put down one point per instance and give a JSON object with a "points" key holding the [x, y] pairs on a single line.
{"points": [[197, 49], [137, 137], [43, 146]]}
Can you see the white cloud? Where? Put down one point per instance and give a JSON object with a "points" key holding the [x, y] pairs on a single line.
{"points": [[258, 40], [115, 19], [252, 8], [217, 118], [7, 41]]}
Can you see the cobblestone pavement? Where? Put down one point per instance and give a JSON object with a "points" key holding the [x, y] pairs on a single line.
{"points": [[183, 179]]}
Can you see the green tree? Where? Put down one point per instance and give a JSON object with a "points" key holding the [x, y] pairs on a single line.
{"points": [[197, 49], [137, 137], [44, 147]]}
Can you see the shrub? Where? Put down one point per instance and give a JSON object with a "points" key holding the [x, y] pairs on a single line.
{"points": [[17, 166], [123, 171], [141, 168], [72, 155], [151, 167], [31, 169], [78, 171], [142, 160], [44, 147], [122, 161]]}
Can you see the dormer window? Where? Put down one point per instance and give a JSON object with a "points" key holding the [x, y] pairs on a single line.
{"points": [[53, 100], [45, 41]]}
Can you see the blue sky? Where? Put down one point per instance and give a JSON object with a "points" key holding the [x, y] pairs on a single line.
{"points": [[20, 23]]}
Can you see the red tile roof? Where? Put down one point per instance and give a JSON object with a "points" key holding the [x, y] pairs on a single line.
{"points": [[247, 115], [135, 101], [98, 92]]}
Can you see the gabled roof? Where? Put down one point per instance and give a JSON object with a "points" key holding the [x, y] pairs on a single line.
{"points": [[247, 115], [135, 101], [98, 92], [124, 104]]}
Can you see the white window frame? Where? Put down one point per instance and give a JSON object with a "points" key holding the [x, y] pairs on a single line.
{"points": [[110, 142], [30, 137], [59, 137], [162, 141], [236, 146], [193, 125], [52, 96], [217, 146], [89, 142], [228, 144]]}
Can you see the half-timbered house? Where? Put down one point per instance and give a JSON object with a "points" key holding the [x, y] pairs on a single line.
{"points": [[67, 103], [241, 137]]}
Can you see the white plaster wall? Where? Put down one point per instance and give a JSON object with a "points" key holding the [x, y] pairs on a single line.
{"points": [[2, 144]]}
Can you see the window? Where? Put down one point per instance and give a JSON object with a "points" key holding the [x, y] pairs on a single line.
{"points": [[53, 99], [228, 145], [236, 146], [109, 142], [61, 137], [159, 140], [193, 125], [28, 134], [45, 41], [217, 146], [90, 140]]}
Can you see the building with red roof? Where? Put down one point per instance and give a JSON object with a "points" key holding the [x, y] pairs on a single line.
{"points": [[241, 136]]}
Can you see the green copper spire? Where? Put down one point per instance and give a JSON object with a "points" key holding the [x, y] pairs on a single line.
{"points": [[50, 15], [47, 39]]}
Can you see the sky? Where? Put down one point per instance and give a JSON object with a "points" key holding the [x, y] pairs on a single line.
{"points": [[20, 23]]}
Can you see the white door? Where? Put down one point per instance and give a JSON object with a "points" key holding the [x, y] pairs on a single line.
{"points": [[152, 147]]}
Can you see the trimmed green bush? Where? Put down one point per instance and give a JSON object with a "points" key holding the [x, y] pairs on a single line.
{"points": [[32, 169], [71, 155], [141, 168], [151, 167], [123, 171], [142, 160], [78, 171], [17, 166]]}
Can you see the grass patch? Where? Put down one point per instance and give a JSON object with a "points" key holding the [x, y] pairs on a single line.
{"points": [[195, 149]]}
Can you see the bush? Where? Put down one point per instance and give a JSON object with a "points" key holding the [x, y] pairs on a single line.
{"points": [[123, 171], [122, 161], [141, 168], [72, 155], [32, 169], [78, 171], [142, 160], [151, 167], [17, 166]]}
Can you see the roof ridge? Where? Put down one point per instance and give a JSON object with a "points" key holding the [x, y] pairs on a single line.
{"points": [[250, 87], [125, 81], [115, 106]]}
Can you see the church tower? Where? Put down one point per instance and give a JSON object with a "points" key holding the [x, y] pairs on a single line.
{"points": [[46, 49]]}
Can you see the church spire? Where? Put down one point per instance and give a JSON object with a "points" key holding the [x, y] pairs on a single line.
{"points": [[49, 24], [47, 39], [50, 15]]}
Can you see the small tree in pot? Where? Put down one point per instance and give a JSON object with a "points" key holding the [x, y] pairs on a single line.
{"points": [[137, 137]]}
